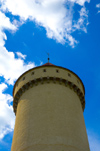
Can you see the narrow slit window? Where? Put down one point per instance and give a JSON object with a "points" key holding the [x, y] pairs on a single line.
{"points": [[44, 70], [57, 71], [23, 78], [69, 74], [32, 73]]}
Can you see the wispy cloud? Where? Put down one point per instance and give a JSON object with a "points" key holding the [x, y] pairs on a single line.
{"points": [[8, 63], [94, 141], [10, 67], [56, 16], [20, 55], [83, 20], [5, 24], [7, 117], [98, 6]]}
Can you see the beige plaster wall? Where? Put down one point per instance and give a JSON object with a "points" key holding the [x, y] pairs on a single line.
{"points": [[50, 118]]}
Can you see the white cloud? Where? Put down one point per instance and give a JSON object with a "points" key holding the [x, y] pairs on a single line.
{"points": [[83, 20], [20, 55], [10, 67], [5, 24], [80, 2], [98, 6], [94, 141], [7, 117], [56, 16]]}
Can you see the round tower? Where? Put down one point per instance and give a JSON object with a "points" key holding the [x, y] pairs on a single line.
{"points": [[49, 104]]}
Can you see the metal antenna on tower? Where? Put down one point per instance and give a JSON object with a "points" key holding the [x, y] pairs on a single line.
{"points": [[48, 57]]}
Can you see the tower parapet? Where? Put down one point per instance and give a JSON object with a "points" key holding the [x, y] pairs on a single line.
{"points": [[48, 73]]}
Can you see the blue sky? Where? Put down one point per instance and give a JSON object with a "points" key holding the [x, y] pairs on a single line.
{"points": [[69, 30]]}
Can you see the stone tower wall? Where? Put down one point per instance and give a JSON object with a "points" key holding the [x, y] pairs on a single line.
{"points": [[49, 104]]}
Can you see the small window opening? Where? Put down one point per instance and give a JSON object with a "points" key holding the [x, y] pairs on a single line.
{"points": [[69, 74], [23, 78], [57, 71], [32, 73], [44, 70]]}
